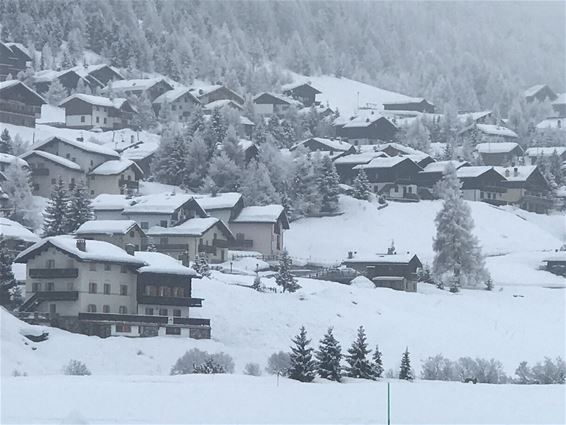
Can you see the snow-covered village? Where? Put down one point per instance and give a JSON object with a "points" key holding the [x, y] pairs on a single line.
{"points": [[270, 212]]}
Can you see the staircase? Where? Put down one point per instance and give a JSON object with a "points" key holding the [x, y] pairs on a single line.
{"points": [[31, 304]]}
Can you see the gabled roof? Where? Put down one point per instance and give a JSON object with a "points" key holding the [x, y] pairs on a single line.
{"points": [[557, 123], [407, 101], [531, 91], [383, 162], [6, 158], [160, 203], [440, 166], [331, 144], [200, 91], [359, 158], [83, 71], [274, 98], [499, 147], [475, 116], [246, 121], [137, 84], [53, 158], [545, 151], [13, 230], [219, 201], [516, 174], [174, 94], [95, 251], [106, 227], [383, 259], [221, 103], [50, 75], [365, 120], [472, 171], [293, 86], [496, 130], [107, 202], [192, 227], [20, 50], [85, 146], [560, 100], [5, 85], [114, 167], [156, 262], [117, 102], [262, 214]]}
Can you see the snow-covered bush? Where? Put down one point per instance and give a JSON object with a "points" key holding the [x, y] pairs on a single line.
{"points": [[252, 369], [438, 368], [75, 367], [195, 358], [547, 372], [278, 363], [209, 367]]}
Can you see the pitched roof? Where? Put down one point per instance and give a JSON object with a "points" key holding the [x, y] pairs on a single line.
{"points": [[531, 91], [174, 94], [13, 230], [117, 102], [472, 171], [359, 158], [85, 146], [116, 166], [545, 151], [219, 201], [94, 251], [191, 227], [560, 100], [440, 166], [292, 86], [499, 147], [106, 227], [221, 103], [4, 85], [159, 203], [6, 158], [523, 172], [405, 101], [107, 202], [332, 144], [382, 162], [155, 262], [83, 71], [382, 258], [496, 130], [558, 123], [260, 214], [280, 98], [365, 120], [136, 84], [53, 158]]}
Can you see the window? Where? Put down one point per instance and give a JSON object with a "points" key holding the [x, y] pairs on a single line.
{"points": [[173, 107], [106, 289], [50, 264], [163, 312], [123, 289], [107, 267], [165, 291], [104, 120], [163, 223], [70, 286], [123, 309], [91, 308], [172, 331], [52, 308], [481, 195], [144, 225], [92, 267], [149, 311], [163, 241], [53, 181], [106, 309], [150, 290], [179, 292], [82, 118], [176, 312], [92, 288], [132, 233], [50, 286], [123, 269], [123, 328], [97, 120], [68, 155], [36, 286]]}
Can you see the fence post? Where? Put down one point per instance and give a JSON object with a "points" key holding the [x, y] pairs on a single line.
{"points": [[389, 403]]}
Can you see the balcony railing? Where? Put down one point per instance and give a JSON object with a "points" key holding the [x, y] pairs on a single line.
{"points": [[109, 317], [220, 243], [191, 321], [170, 246], [241, 243], [53, 273], [130, 184], [57, 295], [40, 171], [175, 301], [207, 249]]}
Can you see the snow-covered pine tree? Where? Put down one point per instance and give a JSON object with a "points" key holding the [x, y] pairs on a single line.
{"points": [[256, 186], [224, 173], [196, 121], [79, 209], [7, 281], [257, 285], [359, 365], [405, 372], [231, 145], [6, 142], [284, 278], [377, 363], [55, 217], [328, 357], [56, 93], [20, 199], [196, 164], [218, 126], [362, 188], [328, 182], [287, 134], [302, 364], [200, 265], [169, 164], [418, 136], [458, 258], [145, 117]]}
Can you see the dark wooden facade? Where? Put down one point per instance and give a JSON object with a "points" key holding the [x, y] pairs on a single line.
{"points": [[19, 105], [542, 93], [12, 61], [304, 93], [405, 170], [379, 130], [418, 106]]}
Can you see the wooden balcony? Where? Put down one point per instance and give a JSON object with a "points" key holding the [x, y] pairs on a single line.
{"points": [[191, 321], [130, 184], [171, 247], [53, 273], [57, 295], [131, 318], [174, 301], [207, 249], [241, 244], [220, 243], [40, 171]]}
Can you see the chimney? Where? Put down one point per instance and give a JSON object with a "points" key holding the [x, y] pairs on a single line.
{"points": [[507, 173], [130, 248], [132, 139], [515, 171], [350, 255], [81, 245]]}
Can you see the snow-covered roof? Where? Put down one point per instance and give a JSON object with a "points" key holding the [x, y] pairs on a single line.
{"points": [[11, 83], [113, 167], [94, 250], [405, 150], [219, 201], [107, 202], [440, 166], [332, 144], [359, 158], [410, 100], [291, 86], [363, 120], [135, 84], [221, 103], [13, 230], [382, 258], [245, 144], [83, 70], [54, 158], [500, 147], [191, 227], [106, 227], [204, 90], [136, 151], [560, 100], [246, 121], [6, 158], [382, 162], [545, 151], [281, 97], [20, 46], [161, 263], [160, 203], [496, 130], [260, 214], [557, 123], [85, 146], [116, 103], [48, 75], [516, 174], [531, 91], [174, 94], [472, 171], [463, 117]]}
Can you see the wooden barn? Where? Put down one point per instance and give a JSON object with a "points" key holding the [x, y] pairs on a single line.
{"points": [[303, 92], [539, 92], [365, 128], [19, 105], [416, 104]]}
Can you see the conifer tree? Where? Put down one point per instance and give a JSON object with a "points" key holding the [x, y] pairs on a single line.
{"points": [[458, 258], [218, 126], [405, 372], [359, 365], [224, 173], [56, 93], [362, 188], [377, 363], [20, 200], [8, 295], [79, 210], [328, 357], [196, 164], [6, 142], [284, 278], [55, 219], [256, 186], [302, 364], [328, 182]]}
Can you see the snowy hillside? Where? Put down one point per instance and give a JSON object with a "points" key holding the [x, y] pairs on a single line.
{"points": [[347, 95]]}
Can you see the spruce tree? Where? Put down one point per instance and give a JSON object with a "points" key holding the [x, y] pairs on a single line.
{"points": [[359, 365], [79, 209], [328, 182], [55, 219], [328, 358], [56, 93], [6, 142], [7, 281], [284, 278], [302, 364], [377, 363], [20, 199], [405, 372], [218, 126], [256, 186], [362, 188], [458, 258]]}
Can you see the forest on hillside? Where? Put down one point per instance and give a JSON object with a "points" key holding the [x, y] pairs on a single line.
{"points": [[471, 55]]}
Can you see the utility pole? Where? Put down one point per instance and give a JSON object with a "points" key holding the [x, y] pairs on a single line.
{"points": [[389, 403]]}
